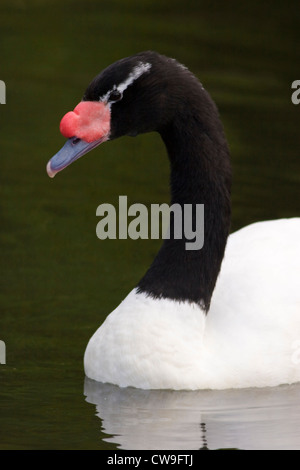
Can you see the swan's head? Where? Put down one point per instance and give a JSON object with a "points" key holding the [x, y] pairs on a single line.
{"points": [[134, 95]]}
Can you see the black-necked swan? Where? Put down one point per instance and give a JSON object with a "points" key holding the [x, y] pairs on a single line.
{"points": [[189, 324]]}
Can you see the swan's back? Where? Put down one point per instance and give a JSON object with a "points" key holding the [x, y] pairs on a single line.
{"points": [[254, 318]]}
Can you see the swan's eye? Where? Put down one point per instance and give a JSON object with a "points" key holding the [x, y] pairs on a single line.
{"points": [[115, 95]]}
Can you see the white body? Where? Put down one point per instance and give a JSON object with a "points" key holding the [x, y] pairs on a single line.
{"points": [[249, 338]]}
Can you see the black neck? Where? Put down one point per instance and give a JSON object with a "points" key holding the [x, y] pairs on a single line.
{"points": [[200, 174]]}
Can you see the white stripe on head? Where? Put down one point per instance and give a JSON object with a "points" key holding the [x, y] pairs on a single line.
{"points": [[137, 71]]}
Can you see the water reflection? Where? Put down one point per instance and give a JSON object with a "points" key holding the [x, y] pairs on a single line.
{"points": [[245, 419]]}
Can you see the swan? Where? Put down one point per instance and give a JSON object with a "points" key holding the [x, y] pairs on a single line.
{"points": [[225, 316]]}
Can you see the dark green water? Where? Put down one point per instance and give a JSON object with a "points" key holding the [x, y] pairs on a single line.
{"points": [[58, 280]]}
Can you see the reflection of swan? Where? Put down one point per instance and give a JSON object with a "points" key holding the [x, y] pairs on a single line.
{"points": [[161, 336], [184, 420]]}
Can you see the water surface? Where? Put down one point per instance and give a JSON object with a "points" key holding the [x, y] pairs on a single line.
{"points": [[250, 419]]}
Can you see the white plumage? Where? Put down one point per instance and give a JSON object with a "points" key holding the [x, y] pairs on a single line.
{"points": [[246, 340]]}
